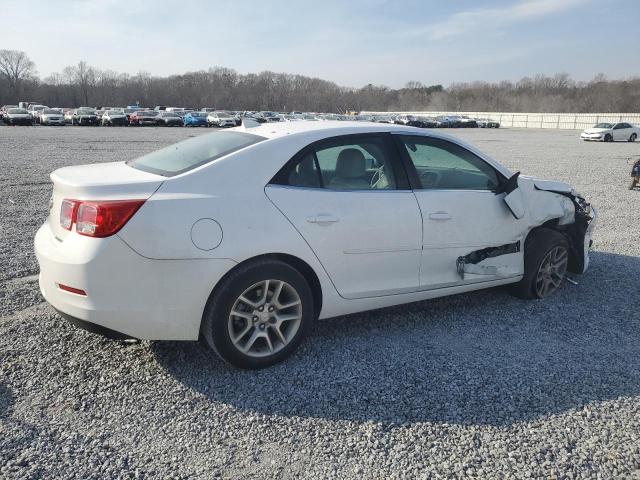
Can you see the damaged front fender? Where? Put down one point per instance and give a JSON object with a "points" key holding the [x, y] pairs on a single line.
{"points": [[539, 203]]}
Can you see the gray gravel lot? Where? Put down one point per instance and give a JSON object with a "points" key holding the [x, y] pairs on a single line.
{"points": [[480, 385]]}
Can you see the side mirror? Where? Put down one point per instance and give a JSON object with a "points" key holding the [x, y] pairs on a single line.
{"points": [[513, 198]]}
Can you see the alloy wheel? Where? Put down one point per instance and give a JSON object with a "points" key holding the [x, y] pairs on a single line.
{"points": [[265, 318], [552, 271]]}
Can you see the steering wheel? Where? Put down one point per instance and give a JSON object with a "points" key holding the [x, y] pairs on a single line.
{"points": [[430, 179], [379, 179]]}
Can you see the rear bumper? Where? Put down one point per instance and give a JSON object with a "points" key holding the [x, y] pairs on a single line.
{"points": [[125, 293], [94, 328]]}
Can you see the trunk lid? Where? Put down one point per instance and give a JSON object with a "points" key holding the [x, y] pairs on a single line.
{"points": [[100, 181]]}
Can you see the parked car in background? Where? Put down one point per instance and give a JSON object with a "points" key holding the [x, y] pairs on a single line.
{"points": [[114, 117], [220, 119], [129, 110], [415, 121], [611, 132], [143, 117], [170, 119], [487, 123], [34, 111], [468, 122], [68, 115], [99, 113], [17, 116], [84, 116], [196, 119], [52, 116], [159, 108], [458, 221], [271, 116]]}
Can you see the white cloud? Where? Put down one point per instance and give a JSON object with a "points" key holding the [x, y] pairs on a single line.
{"points": [[489, 18]]}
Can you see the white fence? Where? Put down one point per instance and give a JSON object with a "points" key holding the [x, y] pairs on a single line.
{"points": [[572, 121]]}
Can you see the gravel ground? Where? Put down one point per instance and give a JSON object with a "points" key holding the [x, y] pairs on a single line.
{"points": [[476, 386]]}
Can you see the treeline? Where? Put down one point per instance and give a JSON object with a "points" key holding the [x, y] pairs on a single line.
{"points": [[218, 87]]}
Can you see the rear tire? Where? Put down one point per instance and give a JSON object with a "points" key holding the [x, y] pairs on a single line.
{"points": [[546, 256], [633, 137], [260, 315], [632, 185]]}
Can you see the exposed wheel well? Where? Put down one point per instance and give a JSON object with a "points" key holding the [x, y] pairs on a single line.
{"points": [[575, 257], [300, 265]]}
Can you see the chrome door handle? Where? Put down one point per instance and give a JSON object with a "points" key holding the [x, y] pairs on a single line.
{"points": [[440, 216], [322, 219]]}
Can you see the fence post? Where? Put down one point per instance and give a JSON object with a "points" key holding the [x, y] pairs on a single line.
{"points": [[526, 121], [575, 121]]}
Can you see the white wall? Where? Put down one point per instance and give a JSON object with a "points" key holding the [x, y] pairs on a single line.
{"points": [[577, 121]]}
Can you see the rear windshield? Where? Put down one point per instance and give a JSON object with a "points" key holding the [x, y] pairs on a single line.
{"points": [[16, 110], [189, 154]]}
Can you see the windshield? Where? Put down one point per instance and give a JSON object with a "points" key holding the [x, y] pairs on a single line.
{"points": [[189, 154], [115, 112], [172, 115], [51, 111], [198, 114], [17, 110], [603, 125]]}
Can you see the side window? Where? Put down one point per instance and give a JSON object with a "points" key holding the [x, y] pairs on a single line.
{"points": [[442, 165], [345, 164], [304, 173]]}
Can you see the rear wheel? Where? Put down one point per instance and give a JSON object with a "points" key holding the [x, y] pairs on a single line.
{"points": [[633, 137], [258, 315], [633, 183], [546, 258]]}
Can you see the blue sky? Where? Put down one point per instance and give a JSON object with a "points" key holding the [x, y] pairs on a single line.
{"points": [[352, 42]]}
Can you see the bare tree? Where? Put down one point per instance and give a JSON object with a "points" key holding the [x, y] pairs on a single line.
{"points": [[223, 88], [16, 67]]}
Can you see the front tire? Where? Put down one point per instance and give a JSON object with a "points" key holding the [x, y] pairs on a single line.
{"points": [[608, 138], [546, 258], [258, 315]]}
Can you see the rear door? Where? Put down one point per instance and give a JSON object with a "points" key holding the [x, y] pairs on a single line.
{"points": [[348, 196], [462, 214]]}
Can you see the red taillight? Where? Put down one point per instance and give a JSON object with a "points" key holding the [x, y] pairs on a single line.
{"points": [[97, 218]]}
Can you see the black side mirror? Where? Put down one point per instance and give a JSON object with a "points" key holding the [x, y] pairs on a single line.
{"points": [[509, 186]]}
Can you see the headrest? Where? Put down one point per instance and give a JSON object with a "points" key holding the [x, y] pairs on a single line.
{"points": [[350, 164]]}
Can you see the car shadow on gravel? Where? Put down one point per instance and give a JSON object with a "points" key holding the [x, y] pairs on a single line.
{"points": [[483, 358]]}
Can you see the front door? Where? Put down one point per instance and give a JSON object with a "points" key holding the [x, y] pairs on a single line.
{"points": [[461, 214]]}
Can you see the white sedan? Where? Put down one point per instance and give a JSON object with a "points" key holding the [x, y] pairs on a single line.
{"points": [[220, 120], [52, 116], [244, 237], [611, 132]]}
